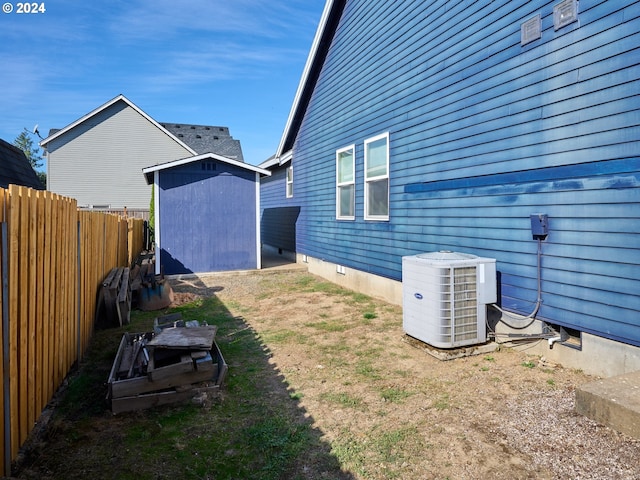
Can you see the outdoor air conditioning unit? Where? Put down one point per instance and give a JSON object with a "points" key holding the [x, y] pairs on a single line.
{"points": [[445, 296]]}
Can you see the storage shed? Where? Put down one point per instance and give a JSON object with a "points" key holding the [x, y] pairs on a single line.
{"points": [[206, 214]]}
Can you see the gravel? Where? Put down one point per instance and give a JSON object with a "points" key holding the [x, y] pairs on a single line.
{"points": [[547, 427]]}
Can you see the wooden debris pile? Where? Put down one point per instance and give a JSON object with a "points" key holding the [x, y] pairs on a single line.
{"points": [[114, 299], [138, 287], [150, 291], [178, 361]]}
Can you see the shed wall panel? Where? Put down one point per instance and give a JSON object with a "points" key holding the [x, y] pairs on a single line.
{"points": [[207, 218]]}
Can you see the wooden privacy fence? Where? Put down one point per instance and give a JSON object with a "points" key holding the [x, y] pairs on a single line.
{"points": [[53, 260]]}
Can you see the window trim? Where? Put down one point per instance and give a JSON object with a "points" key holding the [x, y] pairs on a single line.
{"points": [[289, 181], [368, 180], [351, 147]]}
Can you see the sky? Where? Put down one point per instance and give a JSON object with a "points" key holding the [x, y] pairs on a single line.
{"points": [[233, 63]]}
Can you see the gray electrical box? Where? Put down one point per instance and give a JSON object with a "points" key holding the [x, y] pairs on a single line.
{"points": [[539, 225]]}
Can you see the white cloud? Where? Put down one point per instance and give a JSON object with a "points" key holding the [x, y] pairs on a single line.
{"points": [[162, 20], [206, 64]]}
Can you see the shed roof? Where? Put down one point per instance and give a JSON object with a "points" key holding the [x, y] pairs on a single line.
{"points": [[207, 138], [16, 169], [148, 171]]}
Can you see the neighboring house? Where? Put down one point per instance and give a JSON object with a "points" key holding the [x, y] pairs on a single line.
{"points": [[98, 158], [207, 214], [428, 126], [16, 169]]}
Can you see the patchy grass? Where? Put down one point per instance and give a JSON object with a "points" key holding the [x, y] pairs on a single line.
{"points": [[246, 433], [335, 325], [441, 402], [381, 453], [351, 452], [392, 445], [284, 336], [366, 369], [343, 399], [395, 395]]}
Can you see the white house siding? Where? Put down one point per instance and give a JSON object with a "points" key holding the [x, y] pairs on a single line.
{"points": [[100, 161]]}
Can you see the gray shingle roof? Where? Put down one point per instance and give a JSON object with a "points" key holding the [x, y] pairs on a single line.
{"points": [[207, 139], [16, 169]]}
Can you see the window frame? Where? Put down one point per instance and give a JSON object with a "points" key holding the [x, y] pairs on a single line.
{"points": [[351, 183], [288, 174], [369, 180]]}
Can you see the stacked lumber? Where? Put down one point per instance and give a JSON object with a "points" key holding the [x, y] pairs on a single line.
{"points": [[114, 299], [176, 362], [142, 270]]}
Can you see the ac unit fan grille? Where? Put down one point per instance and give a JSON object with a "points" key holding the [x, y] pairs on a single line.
{"points": [[459, 322]]}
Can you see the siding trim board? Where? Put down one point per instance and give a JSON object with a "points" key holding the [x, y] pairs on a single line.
{"points": [[156, 223]]}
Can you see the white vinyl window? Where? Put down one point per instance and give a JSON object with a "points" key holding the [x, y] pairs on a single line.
{"points": [[346, 183], [376, 178], [290, 181]]}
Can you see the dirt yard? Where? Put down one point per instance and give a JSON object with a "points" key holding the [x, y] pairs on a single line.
{"points": [[390, 410]]}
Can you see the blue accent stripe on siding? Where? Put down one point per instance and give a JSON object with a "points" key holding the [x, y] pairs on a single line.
{"points": [[555, 174]]}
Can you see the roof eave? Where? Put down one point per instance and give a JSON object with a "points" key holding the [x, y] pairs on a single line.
{"points": [[277, 161], [319, 48]]}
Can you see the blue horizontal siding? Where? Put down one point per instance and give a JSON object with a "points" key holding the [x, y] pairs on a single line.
{"points": [[483, 133], [279, 215], [272, 188]]}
